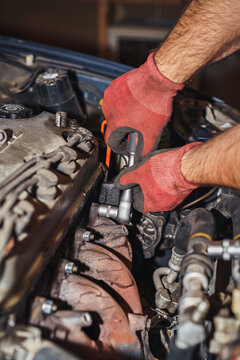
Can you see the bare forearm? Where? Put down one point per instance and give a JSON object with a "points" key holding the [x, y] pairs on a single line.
{"points": [[215, 162], [207, 31]]}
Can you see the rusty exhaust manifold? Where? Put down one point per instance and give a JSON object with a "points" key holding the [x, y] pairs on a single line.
{"points": [[83, 294], [103, 265], [103, 286]]}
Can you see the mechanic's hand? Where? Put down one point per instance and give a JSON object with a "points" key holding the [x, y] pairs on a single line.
{"points": [[138, 100], [158, 181]]}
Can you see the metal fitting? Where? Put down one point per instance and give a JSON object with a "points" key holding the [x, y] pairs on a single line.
{"points": [[166, 285], [197, 267], [70, 268], [121, 214], [193, 306], [82, 235], [169, 281], [49, 307], [226, 250], [196, 279], [175, 261], [162, 298], [108, 211], [174, 266], [88, 236], [158, 273], [61, 119], [30, 59]]}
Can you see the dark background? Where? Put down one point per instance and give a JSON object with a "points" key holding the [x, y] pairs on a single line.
{"points": [[74, 24]]}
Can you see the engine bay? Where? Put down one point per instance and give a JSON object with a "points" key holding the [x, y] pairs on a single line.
{"points": [[77, 280]]}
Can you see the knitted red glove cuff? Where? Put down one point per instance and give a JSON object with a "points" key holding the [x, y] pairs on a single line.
{"points": [[151, 88], [166, 171]]}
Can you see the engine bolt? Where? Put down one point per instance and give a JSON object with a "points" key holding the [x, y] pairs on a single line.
{"points": [[61, 119], [12, 320], [88, 236], [70, 268], [49, 307], [30, 59]]}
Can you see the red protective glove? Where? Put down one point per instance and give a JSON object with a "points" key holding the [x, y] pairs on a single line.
{"points": [[138, 100], [161, 183]]}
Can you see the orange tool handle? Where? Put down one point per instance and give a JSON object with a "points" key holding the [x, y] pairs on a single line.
{"points": [[108, 152]]}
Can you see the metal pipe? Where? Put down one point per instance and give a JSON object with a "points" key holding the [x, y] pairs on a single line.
{"points": [[226, 250], [158, 273], [196, 270]]}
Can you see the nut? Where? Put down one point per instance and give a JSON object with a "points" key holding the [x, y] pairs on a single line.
{"points": [[49, 307]]}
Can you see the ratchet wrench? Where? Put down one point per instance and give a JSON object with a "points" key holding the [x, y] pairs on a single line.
{"points": [[123, 212]]}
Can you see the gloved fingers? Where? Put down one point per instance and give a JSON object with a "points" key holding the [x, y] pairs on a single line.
{"points": [[138, 199], [128, 177], [132, 176], [118, 141]]}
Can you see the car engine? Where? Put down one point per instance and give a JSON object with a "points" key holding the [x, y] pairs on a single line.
{"points": [[82, 274]]}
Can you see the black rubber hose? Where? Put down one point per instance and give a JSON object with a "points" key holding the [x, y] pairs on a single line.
{"points": [[230, 208], [202, 224], [198, 221], [182, 235], [199, 228]]}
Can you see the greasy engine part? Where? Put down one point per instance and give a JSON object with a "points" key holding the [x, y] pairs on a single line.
{"points": [[25, 342], [85, 295], [103, 265], [112, 236], [15, 111], [67, 327], [47, 180], [197, 270], [108, 296], [150, 230], [66, 290], [166, 283], [109, 194], [64, 324], [55, 93]]}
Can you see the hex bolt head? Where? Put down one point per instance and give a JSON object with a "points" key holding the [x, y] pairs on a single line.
{"points": [[70, 268], [88, 236], [49, 307]]}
